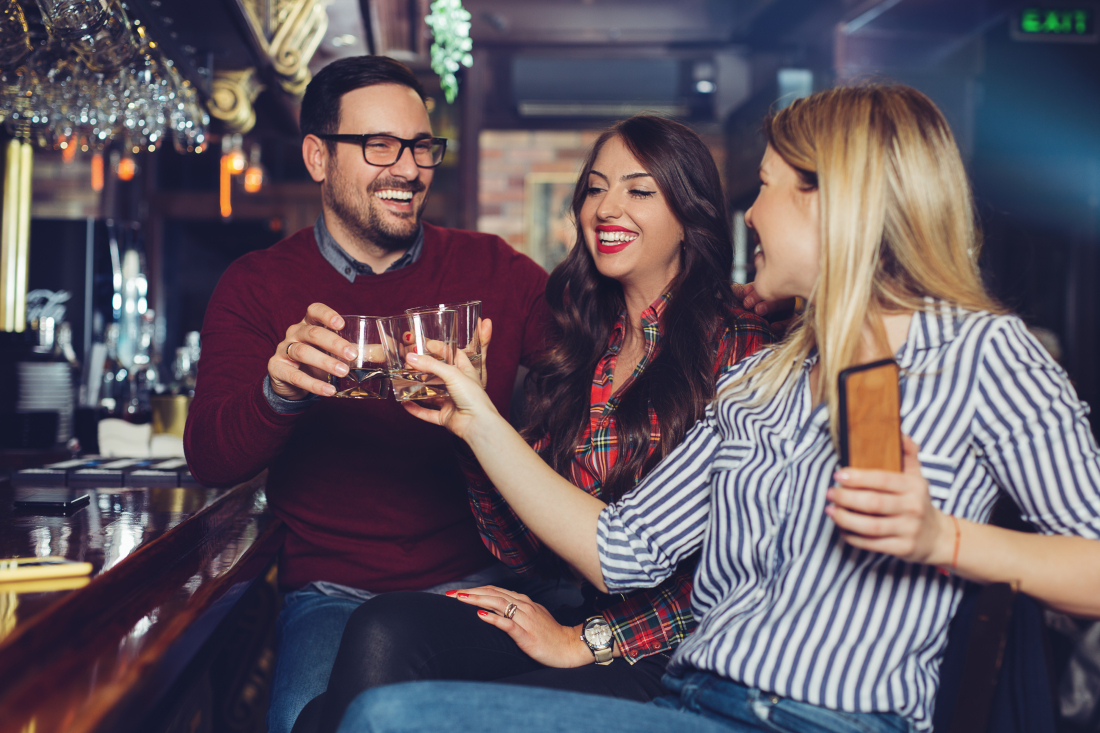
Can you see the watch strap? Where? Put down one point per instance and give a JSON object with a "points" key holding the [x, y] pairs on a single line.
{"points": [[603, 656]]}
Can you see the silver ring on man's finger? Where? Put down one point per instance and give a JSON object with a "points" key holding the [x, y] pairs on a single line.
{"points": [[510, 611]]}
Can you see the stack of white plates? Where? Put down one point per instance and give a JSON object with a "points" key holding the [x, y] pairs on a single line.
{"points": [[47, 387]]}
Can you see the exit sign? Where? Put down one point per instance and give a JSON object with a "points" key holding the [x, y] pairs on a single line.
{"points": [[1072, 24]]}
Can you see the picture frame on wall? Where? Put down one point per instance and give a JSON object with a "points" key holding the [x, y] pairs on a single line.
{"points": [[549, 225]]}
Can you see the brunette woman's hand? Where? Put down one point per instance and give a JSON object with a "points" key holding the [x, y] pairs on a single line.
{"points": [[779, 313], [892, 513], [467, 406], [532, 627]]}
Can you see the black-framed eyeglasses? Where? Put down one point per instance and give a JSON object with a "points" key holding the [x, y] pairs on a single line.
{"points": [[385, 150]]}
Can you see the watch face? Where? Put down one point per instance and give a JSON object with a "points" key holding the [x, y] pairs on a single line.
{"points": [[598, 634]]}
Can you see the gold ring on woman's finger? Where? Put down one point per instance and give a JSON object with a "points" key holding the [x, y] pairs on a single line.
{"points": [[510, 611], [288, 349]]}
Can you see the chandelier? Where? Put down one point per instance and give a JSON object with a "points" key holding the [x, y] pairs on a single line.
{"points": [[93, 79]]}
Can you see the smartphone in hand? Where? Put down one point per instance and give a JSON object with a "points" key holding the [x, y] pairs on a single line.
{"points": [[870, 416]]}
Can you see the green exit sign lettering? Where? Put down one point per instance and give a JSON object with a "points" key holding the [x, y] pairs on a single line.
{"points": [[1059, 24]]}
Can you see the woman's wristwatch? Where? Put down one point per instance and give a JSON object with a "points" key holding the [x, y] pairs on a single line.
{"points": [[597, 635]]}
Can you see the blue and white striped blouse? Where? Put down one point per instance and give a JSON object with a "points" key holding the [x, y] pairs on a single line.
{"points": [[784, 605]]}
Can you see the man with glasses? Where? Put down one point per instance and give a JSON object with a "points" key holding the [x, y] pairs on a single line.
{"points": [[372, 498]]}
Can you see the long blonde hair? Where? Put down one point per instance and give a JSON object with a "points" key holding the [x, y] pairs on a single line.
{"points": [[897, 223]]}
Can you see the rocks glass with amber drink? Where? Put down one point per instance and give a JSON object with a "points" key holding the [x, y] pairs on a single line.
{"points": [[428, 333]]}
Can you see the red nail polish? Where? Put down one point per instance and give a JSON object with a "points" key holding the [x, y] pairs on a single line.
{"points": [[408, 337], [450, 593], [463, 595], [482, 613]]}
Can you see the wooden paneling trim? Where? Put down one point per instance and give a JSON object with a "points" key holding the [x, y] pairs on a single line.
{"points": [[66, 663]]}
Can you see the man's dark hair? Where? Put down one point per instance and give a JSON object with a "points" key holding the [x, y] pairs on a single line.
{"points": [[320, 113]]}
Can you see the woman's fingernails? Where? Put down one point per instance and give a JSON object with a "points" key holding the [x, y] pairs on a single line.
{"points": [[412, 358], [329, 390], [463, 595], [341, 370], [408, 337], [830, 495], [830, 510], [841, 475], [482, 613], [450, 592]]}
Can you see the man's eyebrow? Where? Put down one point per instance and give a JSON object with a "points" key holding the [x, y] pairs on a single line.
{"points": [[418, 136]]}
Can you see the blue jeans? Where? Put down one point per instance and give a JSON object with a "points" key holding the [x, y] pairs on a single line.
{"points": [[312, 621], [700, 703], [307, 635]]}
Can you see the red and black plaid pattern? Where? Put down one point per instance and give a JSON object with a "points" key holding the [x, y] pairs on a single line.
{"points": [[648, 621]]}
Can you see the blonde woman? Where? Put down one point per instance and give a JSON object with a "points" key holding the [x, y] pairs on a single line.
{"points": [[823, 593]]}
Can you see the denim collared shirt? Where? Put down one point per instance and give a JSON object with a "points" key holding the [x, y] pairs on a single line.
{"points": [[349, 268]]}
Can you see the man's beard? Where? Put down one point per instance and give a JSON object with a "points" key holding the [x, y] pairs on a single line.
{"points": [[372, 227]]}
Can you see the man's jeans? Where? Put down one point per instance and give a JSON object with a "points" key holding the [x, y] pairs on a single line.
{"points": [[312, 621], [700, 703]]}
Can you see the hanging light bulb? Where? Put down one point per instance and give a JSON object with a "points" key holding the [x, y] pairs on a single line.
{"points": [[68, 150], [254, 174], [97, 171], [225, 178], [237, 161], [126, 168]]}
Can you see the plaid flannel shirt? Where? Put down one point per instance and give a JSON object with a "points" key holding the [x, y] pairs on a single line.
{"points": [[647, 621]]}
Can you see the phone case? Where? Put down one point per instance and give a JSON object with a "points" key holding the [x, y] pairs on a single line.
{"points": [[870, 416]]}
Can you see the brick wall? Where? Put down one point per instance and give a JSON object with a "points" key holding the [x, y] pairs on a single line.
{"points": [[515, 164]]}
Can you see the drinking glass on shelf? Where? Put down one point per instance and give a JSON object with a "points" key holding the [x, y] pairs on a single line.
{"points": [[467, 335], [430, 333], [366, 377]]}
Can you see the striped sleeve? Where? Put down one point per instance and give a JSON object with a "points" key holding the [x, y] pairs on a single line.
{"points": [[642, 537], [1034, 435]]}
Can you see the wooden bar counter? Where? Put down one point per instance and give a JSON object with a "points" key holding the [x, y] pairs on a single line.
{"points": [[171, 632]]}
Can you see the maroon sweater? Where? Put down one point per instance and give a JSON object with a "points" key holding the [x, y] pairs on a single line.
{"points": [[372, 497]]}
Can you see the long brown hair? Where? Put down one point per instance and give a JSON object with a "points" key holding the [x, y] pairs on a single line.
{"points": [[679, 382]]}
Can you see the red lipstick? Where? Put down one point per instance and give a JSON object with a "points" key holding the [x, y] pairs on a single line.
{"points": [[609, 248]]}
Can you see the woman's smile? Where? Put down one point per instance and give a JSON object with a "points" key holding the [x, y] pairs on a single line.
{"points": [[614, 239]]}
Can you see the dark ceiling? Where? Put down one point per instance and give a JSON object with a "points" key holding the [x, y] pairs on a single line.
{"points": [[208, 35]]}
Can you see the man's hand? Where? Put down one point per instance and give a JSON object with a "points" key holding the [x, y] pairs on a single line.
{"points": [[485, 332], [301, 362]]}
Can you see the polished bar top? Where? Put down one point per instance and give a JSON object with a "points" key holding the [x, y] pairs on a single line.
{"points": [[168, 563]]}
